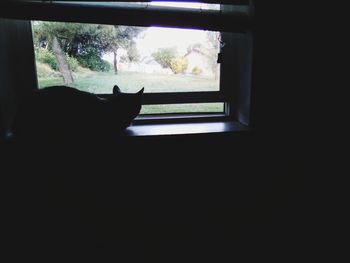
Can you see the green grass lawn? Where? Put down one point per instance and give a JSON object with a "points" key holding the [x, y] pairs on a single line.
{"points": [[102, 83]]}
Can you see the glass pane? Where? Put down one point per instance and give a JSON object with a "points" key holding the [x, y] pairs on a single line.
{"points": [[94, 58], [183, 108]]}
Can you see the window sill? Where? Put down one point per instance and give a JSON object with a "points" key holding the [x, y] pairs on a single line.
{"points": [[223, 127]]}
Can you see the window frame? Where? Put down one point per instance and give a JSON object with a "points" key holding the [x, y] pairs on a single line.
{"points": [[234, 86]]}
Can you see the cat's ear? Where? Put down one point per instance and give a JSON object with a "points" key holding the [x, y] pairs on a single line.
{"points": [[140, 92], [116, 90]]}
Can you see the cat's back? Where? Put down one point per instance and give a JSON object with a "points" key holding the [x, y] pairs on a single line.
{"points": [[60, 94], [65, 112], [57, 99], [54, 110]]}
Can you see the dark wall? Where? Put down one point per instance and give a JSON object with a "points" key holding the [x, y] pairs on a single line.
{"points": [[160, 199], [195, 196], [183, 198], [17, 72]]}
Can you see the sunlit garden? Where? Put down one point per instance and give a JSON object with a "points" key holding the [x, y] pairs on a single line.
{"points": [[94, 58]]}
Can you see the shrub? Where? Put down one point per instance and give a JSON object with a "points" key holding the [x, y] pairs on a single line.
{"points": [[178, 65], [45, 56], [44, 70], [73, 63], [197, 71], [94, 63], [91, 59], [164, 56], [106, 66]]}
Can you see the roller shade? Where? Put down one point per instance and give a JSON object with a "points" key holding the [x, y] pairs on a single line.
{"points": [[232, 2], [232, 18]]}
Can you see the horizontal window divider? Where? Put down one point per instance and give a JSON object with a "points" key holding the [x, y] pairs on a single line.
{"points": [[179, 97], [136, 16], [182, 97]]}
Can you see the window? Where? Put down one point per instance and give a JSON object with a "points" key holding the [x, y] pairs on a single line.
{"points": [[193, 59], [162, 60]]}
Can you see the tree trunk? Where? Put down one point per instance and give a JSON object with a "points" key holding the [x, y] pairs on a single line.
{"points": [[61, 62], [115, 63]]}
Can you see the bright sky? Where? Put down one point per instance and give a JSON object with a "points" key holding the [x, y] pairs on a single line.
{"points": [[157, 37], [160, 37]]}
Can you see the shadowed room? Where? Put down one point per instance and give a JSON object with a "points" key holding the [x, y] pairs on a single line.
{"points": [[153, 131]]}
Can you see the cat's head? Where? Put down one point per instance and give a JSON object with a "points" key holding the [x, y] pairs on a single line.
{"points": [[124, 106]]}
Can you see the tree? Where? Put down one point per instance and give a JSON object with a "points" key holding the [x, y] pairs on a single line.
{"points": [[74, 37], [213, 51], [133, 54], [86, 42], [61, 62], [164, 56], [124, 38], [178, 65], [167, 58], [47, 35]]}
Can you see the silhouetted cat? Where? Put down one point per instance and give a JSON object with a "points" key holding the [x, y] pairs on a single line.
{"points": [[61, 112]]}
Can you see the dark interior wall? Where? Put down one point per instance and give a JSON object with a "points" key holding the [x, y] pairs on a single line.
{"points": [[187, 198], [7, 97], [160, 199], [17, 65]]}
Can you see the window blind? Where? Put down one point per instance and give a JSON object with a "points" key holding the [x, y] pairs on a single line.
{"points": [[230, 18]]}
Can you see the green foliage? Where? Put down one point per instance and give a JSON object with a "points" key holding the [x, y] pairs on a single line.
{"points": [[178, 65], [91, 59], [45, 71], [105, 66], [47, 57], [73, 63], [164, 56], [197, 71], [87, 42], [74, 37], [167, 58]]}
